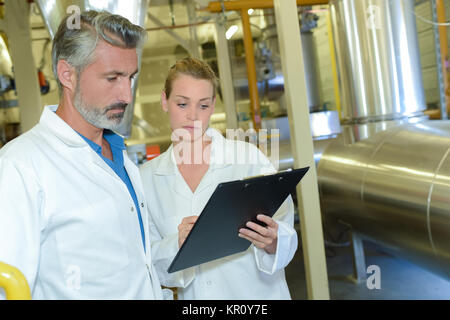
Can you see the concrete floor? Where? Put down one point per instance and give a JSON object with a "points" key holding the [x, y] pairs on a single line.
{"points": [[400, 279]]}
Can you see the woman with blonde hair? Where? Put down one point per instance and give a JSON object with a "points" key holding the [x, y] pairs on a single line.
{"points": [[180, 181]]}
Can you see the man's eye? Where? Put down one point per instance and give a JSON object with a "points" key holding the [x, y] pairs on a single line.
{"points": [[111, 79]]}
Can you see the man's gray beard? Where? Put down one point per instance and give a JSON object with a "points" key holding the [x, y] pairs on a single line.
{"points": [[96, 116]]}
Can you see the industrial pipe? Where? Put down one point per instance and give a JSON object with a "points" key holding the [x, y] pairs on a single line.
{"points": [[255, 110], [216, 6], [393, 189]]}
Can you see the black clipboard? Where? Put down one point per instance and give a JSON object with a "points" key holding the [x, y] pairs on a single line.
{"points": [[231, 206]]}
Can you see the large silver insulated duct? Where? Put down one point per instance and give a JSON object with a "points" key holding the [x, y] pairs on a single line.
{"points": [[378, 57], [394, 188], [134, 10], [388, 174]]}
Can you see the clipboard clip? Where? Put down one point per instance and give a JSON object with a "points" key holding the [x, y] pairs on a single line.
{"points": [[267, 174]]}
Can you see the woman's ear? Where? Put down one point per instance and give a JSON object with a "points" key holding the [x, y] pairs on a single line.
{"points": [[66, 75], [164, 104]]}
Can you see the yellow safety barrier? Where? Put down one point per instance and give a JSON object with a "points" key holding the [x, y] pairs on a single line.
{"points": [[14, 283]]}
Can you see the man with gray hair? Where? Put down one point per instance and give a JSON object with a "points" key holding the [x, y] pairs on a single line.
{"points": [[73, 217]]}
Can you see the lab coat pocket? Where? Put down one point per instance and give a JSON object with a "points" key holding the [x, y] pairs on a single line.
{"points": [[91, 242]]}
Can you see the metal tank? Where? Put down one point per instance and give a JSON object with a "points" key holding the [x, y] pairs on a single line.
{"points": [[378, 59], [134, 10], [388, 174]]}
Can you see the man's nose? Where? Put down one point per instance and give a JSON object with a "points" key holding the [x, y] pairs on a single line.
{"points": [[126, 94]]}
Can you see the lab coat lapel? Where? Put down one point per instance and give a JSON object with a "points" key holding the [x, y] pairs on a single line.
{"points": [[101, 163], [133, 174], [135, 177], [207, 180], [167, 167], [218, 148], [179, 185], [69, 136]]}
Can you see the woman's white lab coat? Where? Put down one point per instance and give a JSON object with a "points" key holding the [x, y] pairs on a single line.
{"points": [[253, 274], [68, 222]]}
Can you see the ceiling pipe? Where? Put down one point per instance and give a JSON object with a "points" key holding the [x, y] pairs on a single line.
{"points": [[255, 110], [215, 6]]}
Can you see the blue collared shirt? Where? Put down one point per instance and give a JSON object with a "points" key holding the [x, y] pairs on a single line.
{"points": [[117, 146]]}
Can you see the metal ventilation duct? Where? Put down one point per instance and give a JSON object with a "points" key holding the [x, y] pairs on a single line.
{"points": [[394, 188], [378, 58]]}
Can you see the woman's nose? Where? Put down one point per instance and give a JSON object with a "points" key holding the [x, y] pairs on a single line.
{"points": [[192, 113]]}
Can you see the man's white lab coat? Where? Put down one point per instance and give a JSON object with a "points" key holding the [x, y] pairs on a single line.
{"points": [[253, 274], [68, 222]]}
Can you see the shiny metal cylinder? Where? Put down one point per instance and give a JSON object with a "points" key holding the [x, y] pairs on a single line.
{"points": [[394, 189], [286, 159], [54, 11], [378, 59], [311, 71]]}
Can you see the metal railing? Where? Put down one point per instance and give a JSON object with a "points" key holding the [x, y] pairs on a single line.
{"points": [[14, 283]]}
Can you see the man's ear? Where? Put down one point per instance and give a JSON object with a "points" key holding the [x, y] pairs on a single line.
{"points": [[164, 104], [66, 75]]}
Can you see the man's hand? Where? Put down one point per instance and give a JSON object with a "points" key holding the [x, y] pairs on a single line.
{"points": [[184, 228], [262, 237]]}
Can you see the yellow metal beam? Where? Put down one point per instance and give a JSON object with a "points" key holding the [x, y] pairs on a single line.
{"points": [[14, 283], [215, 6], [255, 110], [445, 59]]}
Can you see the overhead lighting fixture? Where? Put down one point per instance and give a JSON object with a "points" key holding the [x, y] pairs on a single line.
{"points": [[250, 11], [231, 31]]}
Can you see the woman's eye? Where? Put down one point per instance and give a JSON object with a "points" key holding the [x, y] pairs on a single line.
{"points": [[182, 105], [204, 106]]}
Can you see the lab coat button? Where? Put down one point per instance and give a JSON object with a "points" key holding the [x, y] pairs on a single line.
{"points": [[208, 282], [132, 209], [142, 204]]}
